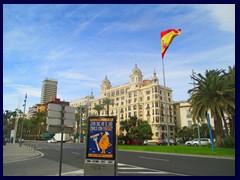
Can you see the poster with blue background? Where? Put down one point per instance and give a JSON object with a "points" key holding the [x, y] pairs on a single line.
{"points": [[101, 139]]}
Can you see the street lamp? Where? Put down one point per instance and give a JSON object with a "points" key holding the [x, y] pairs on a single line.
{"points": [[197, 119], [20, 143]]}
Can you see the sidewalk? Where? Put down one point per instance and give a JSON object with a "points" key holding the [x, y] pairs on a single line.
{"points": [[13, 152]]}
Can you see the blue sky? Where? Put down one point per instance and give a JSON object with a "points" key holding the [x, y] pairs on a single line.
{"points": [[79, 44]]}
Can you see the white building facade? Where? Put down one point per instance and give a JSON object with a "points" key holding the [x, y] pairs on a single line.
{"points": [[142, 98]]}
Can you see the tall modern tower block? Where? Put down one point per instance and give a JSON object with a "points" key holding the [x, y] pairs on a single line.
{"points": [[49, 90]]}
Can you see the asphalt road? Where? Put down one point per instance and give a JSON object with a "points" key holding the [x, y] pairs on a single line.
{"points": [[129, 163]]}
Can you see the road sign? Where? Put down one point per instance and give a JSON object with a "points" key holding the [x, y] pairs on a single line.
{"points": [[54, 107], [69, 109], [69, 122], [56, 129], [57, 113], [54, 114], [58, 107], [69, 116], [53, 121]]}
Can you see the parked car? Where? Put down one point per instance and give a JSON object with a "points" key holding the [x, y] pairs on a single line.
{"points": [[19, 140], [164, 142], [52, 140], [145, 142], [195, 142]]}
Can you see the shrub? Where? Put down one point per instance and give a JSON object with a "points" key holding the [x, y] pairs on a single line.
{"points": [[229, 142]]}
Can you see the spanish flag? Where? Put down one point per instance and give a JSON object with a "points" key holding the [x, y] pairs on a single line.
{"points": [[166, 38]]}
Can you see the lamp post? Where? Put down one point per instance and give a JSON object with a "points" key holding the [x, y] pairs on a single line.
{"points": [[25, 100], [80, 123], [197, 120]]}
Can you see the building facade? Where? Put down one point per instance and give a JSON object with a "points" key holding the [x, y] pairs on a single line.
{"points": [[183, 117], [49, 90], [142, 98]]}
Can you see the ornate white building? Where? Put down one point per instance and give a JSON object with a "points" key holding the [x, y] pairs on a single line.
{"points": [[141, 98]]}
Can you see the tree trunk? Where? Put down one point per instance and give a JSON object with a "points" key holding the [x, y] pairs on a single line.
{"points": [[225, 124], [218, 131]]}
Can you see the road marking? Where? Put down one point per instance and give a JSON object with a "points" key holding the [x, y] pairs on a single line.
{"points": [[123, 167], [157, 159], [75, 153], [79, 172], [142, 170], [36, 157]]}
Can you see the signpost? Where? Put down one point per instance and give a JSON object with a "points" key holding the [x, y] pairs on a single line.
{"points": [[60, 118], [101, 147]]}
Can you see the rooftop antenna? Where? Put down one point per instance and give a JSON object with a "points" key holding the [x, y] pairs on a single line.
{"points": [[135, 61]]}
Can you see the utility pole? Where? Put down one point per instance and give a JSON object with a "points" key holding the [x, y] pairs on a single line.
{"points": [[25, 100], [80, 123]]}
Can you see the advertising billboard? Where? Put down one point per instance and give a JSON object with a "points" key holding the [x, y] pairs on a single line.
{"points": [[101, 138]]}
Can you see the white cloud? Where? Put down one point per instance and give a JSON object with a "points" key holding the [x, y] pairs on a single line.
{"points": [[25, 89], [222, 14], [73, 76]]}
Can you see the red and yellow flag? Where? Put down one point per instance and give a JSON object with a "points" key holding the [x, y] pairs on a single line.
{"points": [[166, 38]]}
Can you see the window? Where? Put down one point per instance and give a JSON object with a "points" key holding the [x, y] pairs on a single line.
{"points": [[113, 93], [188, 114], [122, 91], [134, 107], [189, 124]]}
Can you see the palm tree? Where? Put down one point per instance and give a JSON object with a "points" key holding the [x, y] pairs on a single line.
{"points": [[78, 116], [231, 116], [39, 122], [107, 102], [212, 92], [98, 108]]}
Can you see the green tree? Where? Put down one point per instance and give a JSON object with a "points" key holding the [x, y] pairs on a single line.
{"points": [[186, 133], [107, 102], [215, 93], [78, 116], [98, 108], [136, 130], [231, 109], [39, 123], [204, 130], [8, 122]]}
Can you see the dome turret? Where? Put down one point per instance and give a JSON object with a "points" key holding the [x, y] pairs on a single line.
{"points": [[155, 78], [136, 76], [106, 84]]}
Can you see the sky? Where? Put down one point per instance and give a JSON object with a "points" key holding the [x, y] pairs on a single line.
{"points": [[79, 44]]}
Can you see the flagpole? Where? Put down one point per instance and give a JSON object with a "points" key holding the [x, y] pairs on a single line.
{"points": [[165, 95], [166, 38]]}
